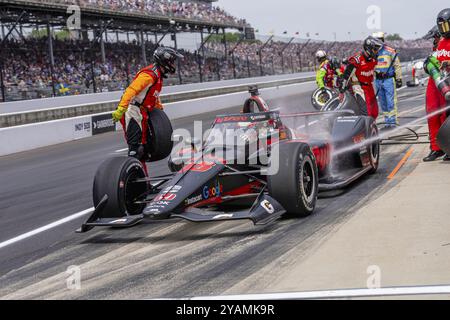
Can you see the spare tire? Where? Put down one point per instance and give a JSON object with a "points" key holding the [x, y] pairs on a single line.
{"points": [[320, 98], [296, 184], [159, 141], [349, 102], [115, 178]]}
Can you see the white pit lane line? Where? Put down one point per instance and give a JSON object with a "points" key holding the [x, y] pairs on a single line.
{"points": [[45, 228], [338, 293]]}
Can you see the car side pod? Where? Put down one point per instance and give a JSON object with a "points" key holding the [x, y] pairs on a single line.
{"points": [[95, 221], [265, 210], [443, 137]]}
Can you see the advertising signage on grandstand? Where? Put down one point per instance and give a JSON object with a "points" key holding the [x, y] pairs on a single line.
{"points": [[102, 123], [249, 34]]}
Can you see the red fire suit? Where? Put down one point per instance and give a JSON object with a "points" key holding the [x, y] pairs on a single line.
{"points": [[434, 98], [360, 72]]}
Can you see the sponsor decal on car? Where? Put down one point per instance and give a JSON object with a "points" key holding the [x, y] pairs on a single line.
{"points": [[194, 199], [172, 189], [359, 138], [199, 167], [165, 197], [232, 119], [212, 191], [267, 206], [261, 117]]}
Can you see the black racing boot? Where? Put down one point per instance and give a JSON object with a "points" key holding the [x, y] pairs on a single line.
{"points": [[446, 158], [433, 156]]}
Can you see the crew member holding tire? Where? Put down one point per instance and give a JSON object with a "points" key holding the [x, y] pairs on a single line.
{"points": [[141, 97], [388, 78], [359, 74], [435, 99]]}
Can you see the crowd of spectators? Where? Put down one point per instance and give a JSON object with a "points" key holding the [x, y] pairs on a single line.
{"points": [[192, 10], [27, 72]]}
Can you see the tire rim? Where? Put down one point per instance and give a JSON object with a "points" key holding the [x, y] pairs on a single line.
{"points": [[322, 98], [307, 179], [133, 190]]}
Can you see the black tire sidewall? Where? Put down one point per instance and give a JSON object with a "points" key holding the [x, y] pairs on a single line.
{"points": [[159, 140], [111, 180], [286, 187], [372, 131]]}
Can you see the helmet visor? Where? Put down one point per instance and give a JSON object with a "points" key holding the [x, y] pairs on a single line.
{"points": [[444, 27]]}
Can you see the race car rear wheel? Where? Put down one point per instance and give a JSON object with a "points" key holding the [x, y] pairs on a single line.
{"points": [[159, 142], [374, 147], [296, 184], [116, 178]]}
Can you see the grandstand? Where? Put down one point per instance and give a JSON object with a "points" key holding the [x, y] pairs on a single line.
{"points": [[117, 38]]}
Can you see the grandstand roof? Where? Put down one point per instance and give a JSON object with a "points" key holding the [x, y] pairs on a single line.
{"points": [[54, 11]]}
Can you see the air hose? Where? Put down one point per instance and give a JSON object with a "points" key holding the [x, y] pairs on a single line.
{"points": [[409, 138]]}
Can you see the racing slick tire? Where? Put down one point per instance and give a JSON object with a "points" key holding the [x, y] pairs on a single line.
{"points": [[373, 149], [296, 184], [114, 178], [443, 136], [159, 142], [349, 102], [319, 99]]}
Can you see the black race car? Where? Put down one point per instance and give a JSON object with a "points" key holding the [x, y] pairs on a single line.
{"points": [[302, 154]]}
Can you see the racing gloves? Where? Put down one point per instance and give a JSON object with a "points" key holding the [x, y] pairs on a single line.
{"points": [[117, 115], [398, 83]]}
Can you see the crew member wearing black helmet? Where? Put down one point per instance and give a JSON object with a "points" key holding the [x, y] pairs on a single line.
{"points": [[359, 74], [142, 96]]}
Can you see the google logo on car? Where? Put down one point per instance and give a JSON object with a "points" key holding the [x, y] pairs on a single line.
{"points": [[214, 191]]}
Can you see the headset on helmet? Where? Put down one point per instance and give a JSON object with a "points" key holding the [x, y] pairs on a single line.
{"points": [[165, 58]]}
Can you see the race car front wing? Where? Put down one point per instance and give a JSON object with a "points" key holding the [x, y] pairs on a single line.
{"points": [[264, 210]]}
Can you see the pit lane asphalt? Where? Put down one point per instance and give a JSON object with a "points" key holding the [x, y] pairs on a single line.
{"points": [[154, 259]]}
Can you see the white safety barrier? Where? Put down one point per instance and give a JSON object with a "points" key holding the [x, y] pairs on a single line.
{"points": [[31, 136]]}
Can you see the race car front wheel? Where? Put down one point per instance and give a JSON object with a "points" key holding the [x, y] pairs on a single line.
{"points": [[296, 184], [118, 178]]}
